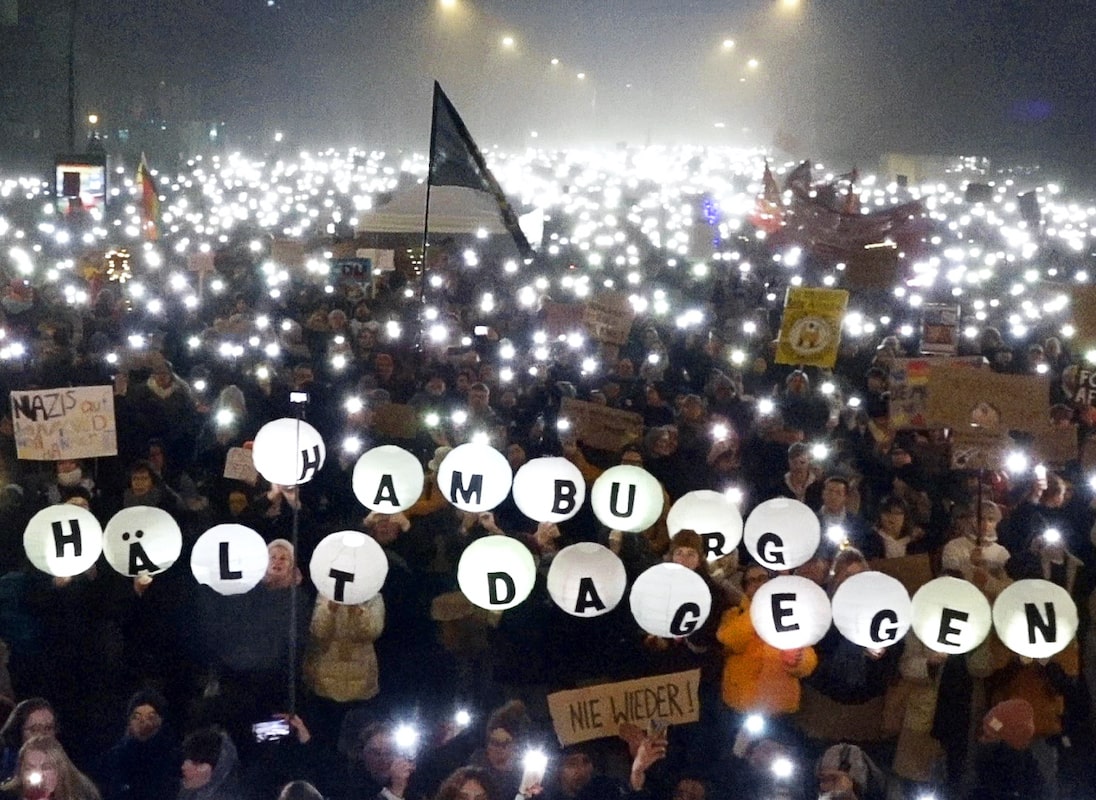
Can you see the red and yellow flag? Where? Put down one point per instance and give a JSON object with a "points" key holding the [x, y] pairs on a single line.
{"points": [[150, 201]]}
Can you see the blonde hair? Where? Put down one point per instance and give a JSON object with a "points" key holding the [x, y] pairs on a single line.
{"points": [[72, 784]]}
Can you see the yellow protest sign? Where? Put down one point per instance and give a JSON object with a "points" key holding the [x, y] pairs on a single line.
{"points": [[811, 328]]}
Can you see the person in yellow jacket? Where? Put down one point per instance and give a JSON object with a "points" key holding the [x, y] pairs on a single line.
{"points": [[757, 677]]}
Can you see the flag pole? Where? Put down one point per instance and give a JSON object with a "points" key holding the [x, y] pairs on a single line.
{"points": [[429, 182]]}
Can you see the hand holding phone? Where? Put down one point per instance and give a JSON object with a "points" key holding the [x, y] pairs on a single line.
{"points": [[271, 730]]}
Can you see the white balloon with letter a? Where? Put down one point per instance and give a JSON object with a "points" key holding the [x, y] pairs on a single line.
{"points": [[142, 540], [475, 477], [627, 498], [789, 612], [348, 567], [230, 559], [288, 451], [782, 533], [63, 540], [549, 489], [387, 479], [951, 615], [670, 601], [587, 580], [872, 610], [496, 572], [713, 516], [1035, 618]]}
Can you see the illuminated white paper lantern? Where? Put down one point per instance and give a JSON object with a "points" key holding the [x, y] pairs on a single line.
{"points": [[587, 580], [669, 600], [1035, 618], [713, 516], [388, 479], [348, 567], [782, 533], [63, 540], [475, 477], [288, 451], [142, 540], [872, 609], [230, 559], [627, 498], [496, 572], [789, 612], [951, 615], [549, 489]]}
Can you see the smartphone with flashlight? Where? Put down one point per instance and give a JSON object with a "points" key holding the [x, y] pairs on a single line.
{"points": [[480, 330], [270, 730]]}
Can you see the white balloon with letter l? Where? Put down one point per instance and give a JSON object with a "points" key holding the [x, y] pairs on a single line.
{"points": [[1035, 618], [288, 451], [782, 533], [549, 489], [388, 479], [872, 610], [142, 540], [475, 477], [627, 498], [229, 558], [63, 540], [496, 572], [789, 612], [951, 615], [670, 601], [713, 516], [587, 580], [348, 567]]}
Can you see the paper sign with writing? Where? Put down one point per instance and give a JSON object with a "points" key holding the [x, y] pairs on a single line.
{"points": [[287, 252], [810, 331], [909, 387], [602, 427], [56, 424], [580, 715], [988, 400], [940, 329], [240, 466], [608, 318], [976, 448]]}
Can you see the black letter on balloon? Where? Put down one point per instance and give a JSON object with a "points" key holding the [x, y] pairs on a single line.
{"points": [[493, 579]]}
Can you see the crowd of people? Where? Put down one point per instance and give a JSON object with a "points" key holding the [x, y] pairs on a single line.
{"points": [[161, 687]]}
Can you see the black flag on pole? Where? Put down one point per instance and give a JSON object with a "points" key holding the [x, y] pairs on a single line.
{"points": [[456, 161]]}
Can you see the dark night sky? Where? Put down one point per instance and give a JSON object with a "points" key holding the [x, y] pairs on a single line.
{"points": [[841, 77]]}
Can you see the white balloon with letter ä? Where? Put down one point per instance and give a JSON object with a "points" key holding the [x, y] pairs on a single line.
{"points": [[387, 479], [670, 601], [142, 540], [587, 580], [288, 451], [348, 567], [496, 572]]}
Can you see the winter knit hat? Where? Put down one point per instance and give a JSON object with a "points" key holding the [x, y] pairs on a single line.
{"points": [[512, 718], [147, 697], [1011, 722]]}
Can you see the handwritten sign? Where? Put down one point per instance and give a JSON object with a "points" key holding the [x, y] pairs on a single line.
{"points": [[56, 424], [608, 318], [240, 466], [988, 400], [602, 427], [287, 252], [909, 387], [580, 715], [810, 330]]}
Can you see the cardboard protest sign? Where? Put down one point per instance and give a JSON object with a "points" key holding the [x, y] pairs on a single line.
{"points": [[912, 572], [909, 387], [1083, 306], [976, 448], [382, 260], [287, 252], [602, 427], [56, 424], [872, 268], [580, 715], [811, 328], [396, 420], [200, 262], [940, 329], [608, 317], [240, 466], [992, 401], [561, 319], [1056, 445]]}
